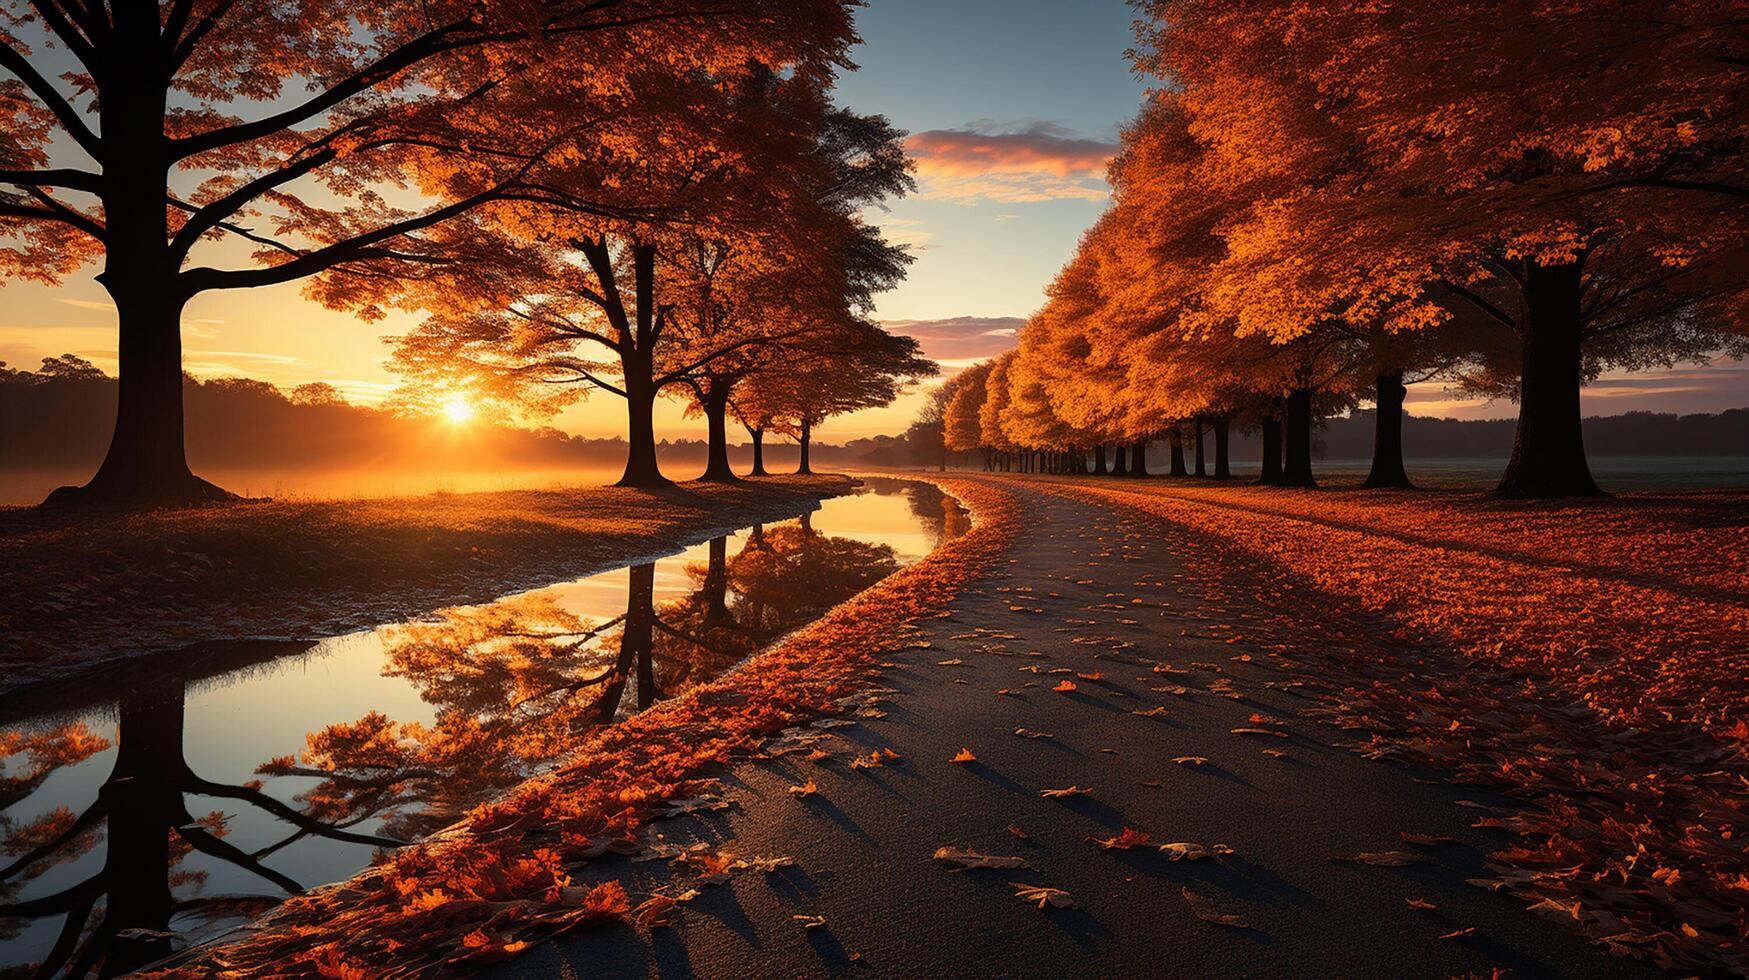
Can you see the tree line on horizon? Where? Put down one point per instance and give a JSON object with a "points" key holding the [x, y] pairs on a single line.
{"points": [[1321, 204], [57, 420], [641, 198]]}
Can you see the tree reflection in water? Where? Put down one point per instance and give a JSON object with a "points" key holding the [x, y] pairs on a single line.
{"points": [[120, 918], [514, 684]]}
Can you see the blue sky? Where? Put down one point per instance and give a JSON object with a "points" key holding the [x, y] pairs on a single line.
{"points": [[992, 67]]}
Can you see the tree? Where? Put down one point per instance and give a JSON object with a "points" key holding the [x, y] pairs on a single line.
{"points": [[869, 367], [769, 293], [960, 430], [317, 393], [1571, 173], [466, 107]]}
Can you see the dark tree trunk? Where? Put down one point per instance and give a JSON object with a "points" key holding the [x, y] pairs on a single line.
{"points": [[716, 583], [1297, 469], [641, 467], [1139, 459], [1201, 462], [1548, 451], [716, 413], [1271, 473], [146, 463], [1120, 460], [638, 366], [758, 451], [1223, 427], [1387, 444], [806, 442], [1175, 440], [1099, 460], [640, 630], [143, 796]]}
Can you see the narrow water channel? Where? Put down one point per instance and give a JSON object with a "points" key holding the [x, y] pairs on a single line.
{"points": [[138, 816]]}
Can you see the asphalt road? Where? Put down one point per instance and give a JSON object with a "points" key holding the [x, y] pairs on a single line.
{"points": [[1093, 591]]}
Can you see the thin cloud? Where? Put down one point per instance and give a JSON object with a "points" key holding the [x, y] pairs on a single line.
{"points": [[959, 342], [1032, 164]]}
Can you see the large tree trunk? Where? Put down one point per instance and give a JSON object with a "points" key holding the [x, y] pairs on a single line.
{"points": [[716, 413], [1223, 426], [1297, 470], [758, 436], [641, 468], [1099, 467], [1201, 463], [1139, 459], [1175, 441], [806, 441], [637, 364], [1548, 452], [146, 462], [1271, 472], [1387, 444]]}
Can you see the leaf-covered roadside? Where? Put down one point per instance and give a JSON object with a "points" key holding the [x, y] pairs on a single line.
{"points": [[500, 879], [1522, 650]]}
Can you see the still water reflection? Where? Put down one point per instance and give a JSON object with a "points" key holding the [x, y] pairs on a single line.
{"points": [[192, 800]]}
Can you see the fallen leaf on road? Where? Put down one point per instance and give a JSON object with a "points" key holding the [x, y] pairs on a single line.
{"points": [[1057, 794], [972, 859], [965, 755], [1182, 851], [949, 663], [1382, 859], [770, 864], [1130, 837], [1153, 712], [1016, 831], [1064, 687], [1460, 933], [1205, 910], [653, 914], [695, 804], [1191, 760], [808, 788], [1029, 733], [1045, 897], [1420, 903], [1259, 731], [810, 921], [1425, 840]]}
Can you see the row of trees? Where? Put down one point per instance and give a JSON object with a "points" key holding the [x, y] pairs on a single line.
{"points": [[1326, 202], [629, 195]]}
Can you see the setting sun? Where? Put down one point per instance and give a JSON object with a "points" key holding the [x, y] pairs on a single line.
{"points": [[458, 410]]}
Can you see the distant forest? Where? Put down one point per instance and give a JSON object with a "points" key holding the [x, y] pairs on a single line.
{"points": [[61, 416]]}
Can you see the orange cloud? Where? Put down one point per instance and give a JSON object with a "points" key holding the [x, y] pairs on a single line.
{"points": [[1038, 163], [960, 342]]}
